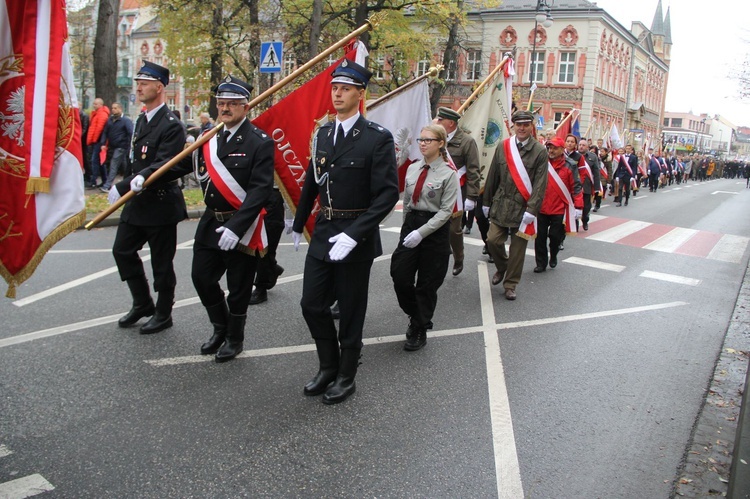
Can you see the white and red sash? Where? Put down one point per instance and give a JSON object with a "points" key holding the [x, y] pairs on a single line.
{"points": [[523, 183], [559, 186], [255, 237]]}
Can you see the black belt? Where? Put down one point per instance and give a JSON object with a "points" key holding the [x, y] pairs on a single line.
{"points": [[221, 216], [421, 213], [331, 214]]}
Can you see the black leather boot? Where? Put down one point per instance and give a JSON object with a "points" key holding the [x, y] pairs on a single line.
{"points": [[219, 316], [344, 385], [417, 341], [162, 319], [235, 336], [143, 305], [328, 355], [259, 295]]}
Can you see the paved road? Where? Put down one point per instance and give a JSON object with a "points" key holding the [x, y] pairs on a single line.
{"points": [[587, 386]]}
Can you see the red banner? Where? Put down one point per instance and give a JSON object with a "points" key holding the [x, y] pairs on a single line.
{"points": [[41, 183], [291, 123]]}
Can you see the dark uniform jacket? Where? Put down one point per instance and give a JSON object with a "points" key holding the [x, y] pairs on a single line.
{"points": [[248, 156], [590, 185], [362, 175], [154, 143], [464, 152], [622, 171]]}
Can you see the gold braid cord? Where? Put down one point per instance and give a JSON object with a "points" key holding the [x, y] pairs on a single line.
{"points": [[56, 235]]}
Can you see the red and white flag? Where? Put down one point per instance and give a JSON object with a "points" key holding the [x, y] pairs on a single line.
{"points": [[404, 113], [41, 181]]}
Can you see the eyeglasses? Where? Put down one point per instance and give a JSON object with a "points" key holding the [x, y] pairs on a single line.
{"points": [[426, 141], [231, 104]]}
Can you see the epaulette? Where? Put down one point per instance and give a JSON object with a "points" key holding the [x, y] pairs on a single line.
{"points": [[260, 133], [375, 126]]}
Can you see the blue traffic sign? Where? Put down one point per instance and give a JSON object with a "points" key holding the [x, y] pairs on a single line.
{"points": [[270, 57]]}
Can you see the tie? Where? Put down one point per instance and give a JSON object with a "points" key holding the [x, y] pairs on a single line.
{"points": [[520, 145], [339, 135], [224, 140], [420, 183]]}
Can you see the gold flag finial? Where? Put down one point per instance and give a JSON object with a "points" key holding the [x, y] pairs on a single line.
{"points": [[377, 18]]}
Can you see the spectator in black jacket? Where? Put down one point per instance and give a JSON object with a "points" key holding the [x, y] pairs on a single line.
{"points": [[117, 135], [84, 149]]}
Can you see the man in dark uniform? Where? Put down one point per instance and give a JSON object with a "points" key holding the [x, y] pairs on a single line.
{"points": [[269, 270], [626, 169], [353, 169], [235, 170], [151, 216], [589, 175], [465, 155]]}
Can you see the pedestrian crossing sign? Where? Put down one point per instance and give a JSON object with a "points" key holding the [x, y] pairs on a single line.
{"points": [[270, 57]]}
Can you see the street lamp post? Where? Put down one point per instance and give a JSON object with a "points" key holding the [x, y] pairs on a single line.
{"points": [[544, 18]]}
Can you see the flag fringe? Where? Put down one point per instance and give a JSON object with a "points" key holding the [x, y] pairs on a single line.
{"points": [[523, 235], [37, 184], [56, 235]]}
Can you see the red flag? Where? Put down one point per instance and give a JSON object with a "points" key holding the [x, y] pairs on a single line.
{"points": [[41, 183], [291, 123], [563, 130]]}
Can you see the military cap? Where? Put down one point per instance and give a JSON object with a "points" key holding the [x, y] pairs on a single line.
{"points": [[448, 114], [233, 88], [351, 73], [153, 72], [556, 142], [522, 117]]}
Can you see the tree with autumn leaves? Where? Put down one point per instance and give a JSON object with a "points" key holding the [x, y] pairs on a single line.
{"points": [[207, 39]]}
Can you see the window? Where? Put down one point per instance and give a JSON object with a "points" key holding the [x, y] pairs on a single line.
{"points": [[452, 69], [536, 69], [666, 121], [378, 71], [423, 65], [125, 68], [473, 65], [557, 119], [289, 63], [677, 122], [567, 67]]}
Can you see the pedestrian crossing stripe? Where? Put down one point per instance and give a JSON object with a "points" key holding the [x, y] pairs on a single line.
{"points": [[666, 238]]}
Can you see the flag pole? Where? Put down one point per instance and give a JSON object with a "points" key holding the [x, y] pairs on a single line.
{"points": [[154, 176], [531, 98], [586, 133], [370, 23], [431, 73], [484, 83], [564, 119]]}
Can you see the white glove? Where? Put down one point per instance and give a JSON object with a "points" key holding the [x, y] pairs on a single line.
{"points": [[579, 214], [528, 218], [113, 195], [412, 239], [288, 224], [469, 205], [136, 185], [228, 239], [343, 245], [486, 211], [296, 237]]}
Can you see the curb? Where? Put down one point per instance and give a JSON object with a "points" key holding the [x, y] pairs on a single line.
{"points": [[739, 475]]}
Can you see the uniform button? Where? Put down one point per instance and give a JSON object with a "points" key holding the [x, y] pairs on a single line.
{"points": [[211, 195]]}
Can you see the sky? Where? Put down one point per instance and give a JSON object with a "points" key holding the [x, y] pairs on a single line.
{"points": [[708, 41]]}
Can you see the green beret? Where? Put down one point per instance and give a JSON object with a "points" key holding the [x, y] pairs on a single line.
{"points": [[522, 117], [448, 114]]}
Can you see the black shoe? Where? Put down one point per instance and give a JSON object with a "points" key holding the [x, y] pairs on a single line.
{"points": [[490, 259], [539, 270], [553, 261], [467, 230], [143, 305], [232, 347], [328, 356], [278, 270], [585, 226], [259, 295], [560, 247], [626, 202], [162, 318], [417, 341], [458, 268], [343, 386], [595, 209], [618, 204], [484, 250], [219, 316]]}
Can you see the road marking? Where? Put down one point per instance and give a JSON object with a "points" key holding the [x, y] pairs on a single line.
{"points": [[672, 240], [82, 280], [5, 451], [670, 278], [730, 248], [594, 264], [620, 231], [642, 196], [507, 470], [723, 192], [25, 487]]}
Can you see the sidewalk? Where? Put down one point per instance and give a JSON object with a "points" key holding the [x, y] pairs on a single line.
{"points": [[717, 456]]}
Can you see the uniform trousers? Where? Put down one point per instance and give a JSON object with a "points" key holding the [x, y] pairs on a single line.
{"points": [[210, 263], [653, 182], [274, 221], [624, 189], [548, 226], [325, 282], [482, 222], [510, 264], [457, 235], [162, 241], [586, 207], [428, 261]]}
